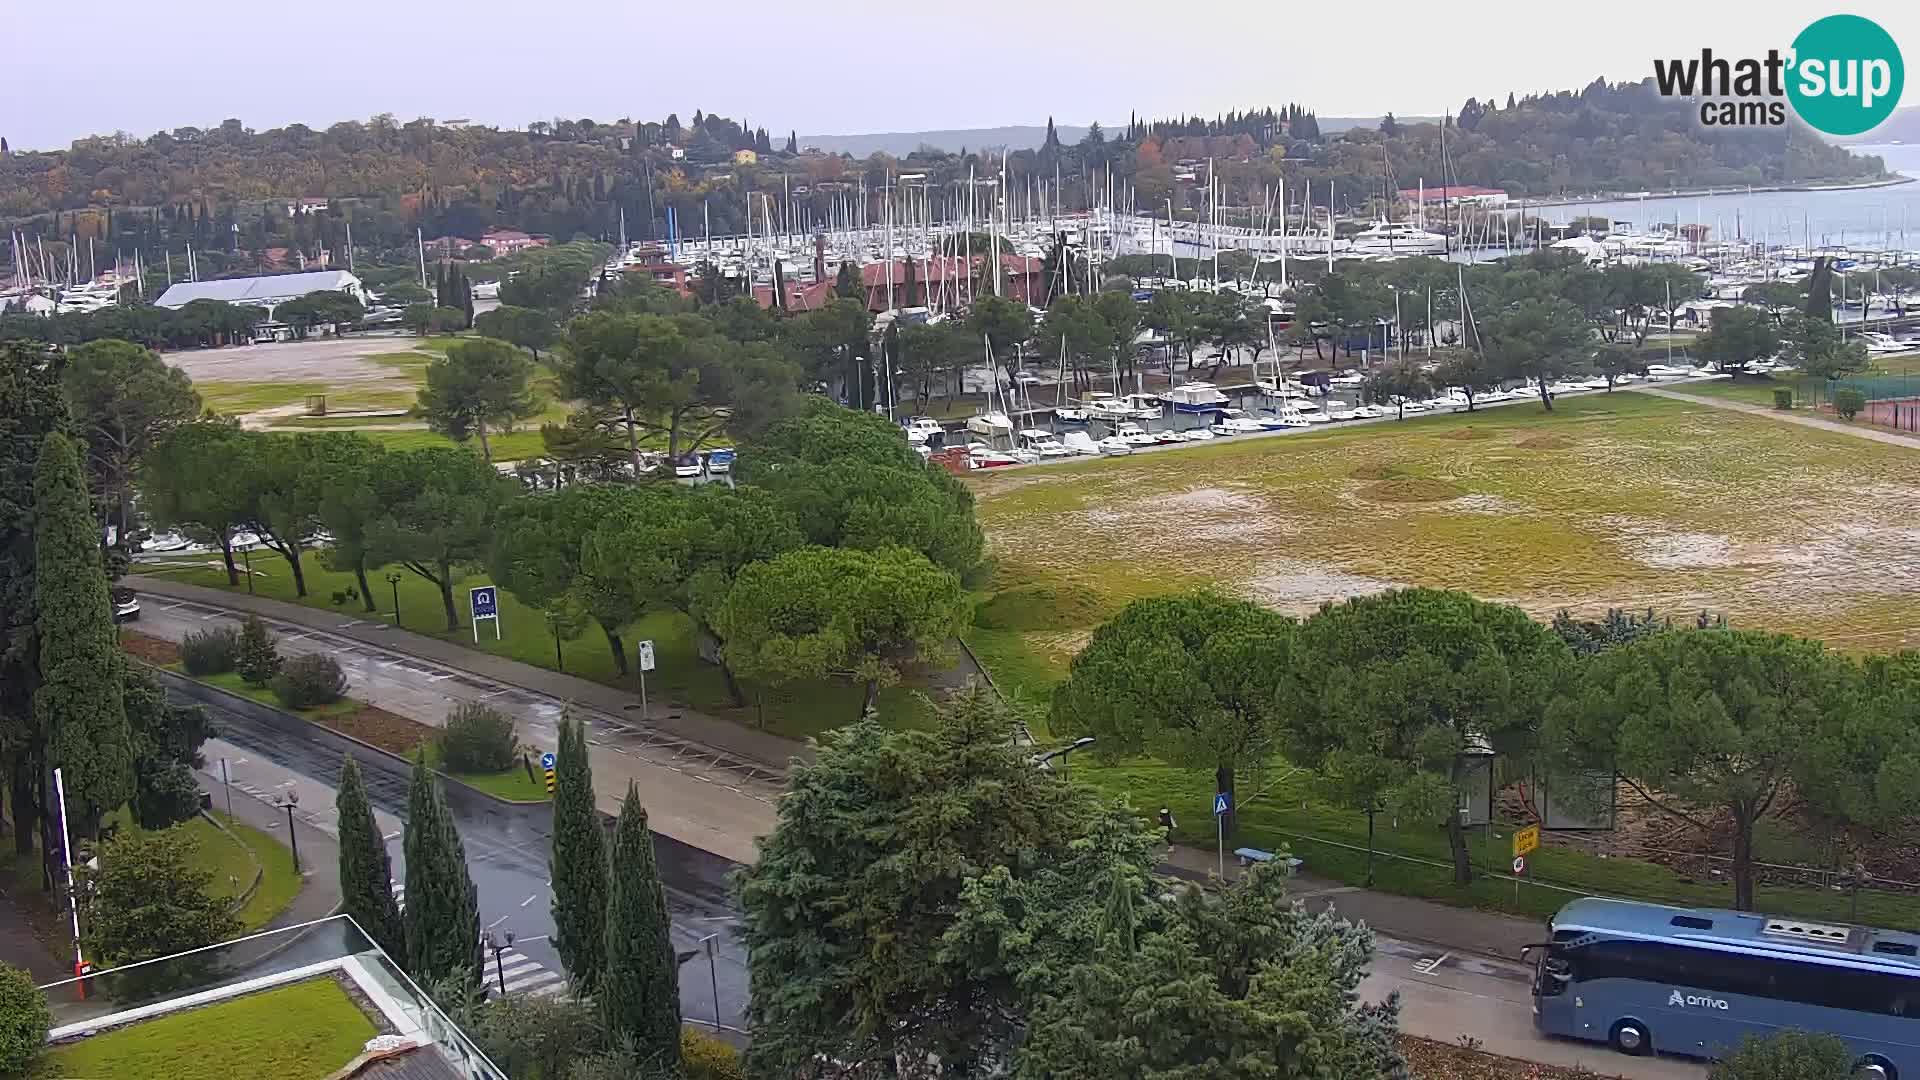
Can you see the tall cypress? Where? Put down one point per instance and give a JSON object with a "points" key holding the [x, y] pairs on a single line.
{"points": [[442, 916], [640, 988], [466, 297], [78, 704], [579, 865], [366, 872]]}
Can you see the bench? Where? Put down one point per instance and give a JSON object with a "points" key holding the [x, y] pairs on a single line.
{"points": [[1248, 856]]}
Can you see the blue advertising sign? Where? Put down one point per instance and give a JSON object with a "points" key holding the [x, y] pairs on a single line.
{"points": [[485, 602]]}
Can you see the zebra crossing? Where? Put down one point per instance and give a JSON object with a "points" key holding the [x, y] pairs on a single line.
{"points": [[520, 973]]}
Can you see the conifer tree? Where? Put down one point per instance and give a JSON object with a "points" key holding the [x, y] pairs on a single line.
{"points": [[259, 659], [79, 705], [579, 867], [366, 872], [640, 989], [442, 916]]}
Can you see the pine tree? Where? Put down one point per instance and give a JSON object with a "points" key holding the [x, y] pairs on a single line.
{"points": [[465, 297], [579, 866], [366, 872], [793, 142], [442, 916], [79, 704], [846, 283], [259, 659], [640, 989]]}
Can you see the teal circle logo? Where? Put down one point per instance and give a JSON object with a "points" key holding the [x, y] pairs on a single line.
{"points": [[1847, 75]]}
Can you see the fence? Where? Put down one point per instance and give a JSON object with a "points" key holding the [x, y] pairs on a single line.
{"points": [[1879, 387]]}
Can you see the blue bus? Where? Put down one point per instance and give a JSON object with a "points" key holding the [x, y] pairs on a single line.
{"points": [[1695, 981]]}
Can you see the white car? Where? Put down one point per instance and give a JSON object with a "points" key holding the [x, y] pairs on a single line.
{"points": [[1134, 435], [1115, 446]]}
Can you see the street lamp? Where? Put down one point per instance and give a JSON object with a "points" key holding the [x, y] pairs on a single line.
{"points": [[287, 803], [393, 579], [246, 555], [499, 946], [1078, 744], [705, 944]]}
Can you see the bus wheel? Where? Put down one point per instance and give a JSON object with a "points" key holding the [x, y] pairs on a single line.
{"points": [[1875, 1067], [1630, 1037]]}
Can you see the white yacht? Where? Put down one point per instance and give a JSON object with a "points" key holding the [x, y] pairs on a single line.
{"points": [[1398, 238], [1134, 435], [1234, 422], [1144, 406], [1196, 397], [1100, 405]]}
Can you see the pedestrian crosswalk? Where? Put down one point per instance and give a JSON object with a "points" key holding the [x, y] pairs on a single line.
{"points": [[511, 968]]}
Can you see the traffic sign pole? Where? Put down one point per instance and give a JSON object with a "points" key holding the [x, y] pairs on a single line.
{"points": [[645, 651], [1220, 807]]}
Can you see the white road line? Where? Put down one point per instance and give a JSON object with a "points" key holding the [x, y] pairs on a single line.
{"points": [[441, 678], [536, 937], [498, 921], [527, 901], [349, 624], [392, 834], [542, 979], [215, 615]]}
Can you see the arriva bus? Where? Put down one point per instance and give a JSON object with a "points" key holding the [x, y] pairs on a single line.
{"points": [[1695, 981]]}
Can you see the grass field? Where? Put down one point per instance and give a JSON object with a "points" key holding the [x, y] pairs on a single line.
{"points": [[231, 864], [308, 1029], [1614, 500], [681, 679]]}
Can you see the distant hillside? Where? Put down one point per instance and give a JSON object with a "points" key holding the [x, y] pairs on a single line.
{"points": [[1017, 137], [1902, 127], [902, 143]]}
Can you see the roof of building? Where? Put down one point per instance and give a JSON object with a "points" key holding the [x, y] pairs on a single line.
{"points": [[799, 297], [255, 290]]}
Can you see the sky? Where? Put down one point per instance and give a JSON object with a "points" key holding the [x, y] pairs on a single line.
{"points": [[142, 67]]}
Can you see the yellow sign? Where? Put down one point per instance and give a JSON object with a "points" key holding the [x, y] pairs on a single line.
{"points": [[1525, 840]]}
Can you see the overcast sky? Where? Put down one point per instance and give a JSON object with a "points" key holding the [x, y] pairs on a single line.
{"points": [[141, 66]]}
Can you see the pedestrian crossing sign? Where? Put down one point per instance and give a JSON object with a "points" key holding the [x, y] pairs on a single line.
{"points": [[1220, 804]]}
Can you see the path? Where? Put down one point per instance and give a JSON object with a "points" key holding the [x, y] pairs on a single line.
{"points": [[1784, 416]]}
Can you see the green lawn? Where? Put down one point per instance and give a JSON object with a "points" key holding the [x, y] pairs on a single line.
{"points": [[348, 422], [306, 1031], [231, 682], [681, 679], [1289, 815], [511, 783], [230, 865], [1750, 389]]}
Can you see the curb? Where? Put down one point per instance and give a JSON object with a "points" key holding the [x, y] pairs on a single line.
{"points": [[259, 871], [174, 676]]}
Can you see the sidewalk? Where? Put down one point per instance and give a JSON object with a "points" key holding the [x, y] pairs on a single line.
{"points": [[1407, 918], [1783, 416], [766, 748], [319, 894]]}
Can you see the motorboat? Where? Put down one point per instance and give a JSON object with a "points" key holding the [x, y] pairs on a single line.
{"points": [[1879, 344], [982, 456], [1368, 412], [1144, 406], [166, 541], [1134, 435], [923, 429], [1234, 422], [1071, 416], [1196, 397], [991, 426], [1100, 405], [1307, 406], [243, 539], [1348, 378], [1317, 416], [1044, 443], [1079, 442], [1167, 436], [1397, 238], [1115, 446], [1285, 418], [1198, 434], [1409, 405], [720, 461], [1341, 412]]}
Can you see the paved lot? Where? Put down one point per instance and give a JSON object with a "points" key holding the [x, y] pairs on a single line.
{"points": [[334, 361]]}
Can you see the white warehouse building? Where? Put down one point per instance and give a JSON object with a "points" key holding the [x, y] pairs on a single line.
{"points": [[268, 292]]}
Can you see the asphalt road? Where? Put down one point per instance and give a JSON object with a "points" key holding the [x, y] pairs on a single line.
{"points": [[507, 854]]}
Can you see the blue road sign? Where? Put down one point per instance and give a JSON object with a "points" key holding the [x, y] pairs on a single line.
{"points": [[1220, 805], [485, 602], [546, 761]]}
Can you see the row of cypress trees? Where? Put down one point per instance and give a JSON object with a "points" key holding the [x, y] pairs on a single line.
{"points": [[611, 929]]}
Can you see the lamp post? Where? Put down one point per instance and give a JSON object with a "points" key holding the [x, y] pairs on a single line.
{"points": [[287, 803], [1080, 743], [246, 555], [499, 946], [393, 579]]}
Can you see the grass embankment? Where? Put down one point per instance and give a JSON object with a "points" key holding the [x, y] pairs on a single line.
{"points": [[1613, 500], [229, 859], [307, 1030], [681, 679]]}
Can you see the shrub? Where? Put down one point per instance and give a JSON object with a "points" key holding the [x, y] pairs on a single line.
{"points": [[478, 739], [310, 680], [23, 1021], [259, 658], [1786, 1055], [164, 795], [210, 652], [1848, 402], [1782, 397], [704, 1057]]}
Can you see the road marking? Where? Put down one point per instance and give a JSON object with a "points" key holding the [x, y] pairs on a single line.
{"points": [[441, 678], [536, 937], [496, 922], [349, 624], [215, 615], [527, 901], [1431, 965], [391, 835]]}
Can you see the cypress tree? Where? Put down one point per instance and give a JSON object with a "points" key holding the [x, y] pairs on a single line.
{"points": [[366, 873], [31, 405], [79, 703], [466, 297], [442, 916], [640, 989], [579, 865]]}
